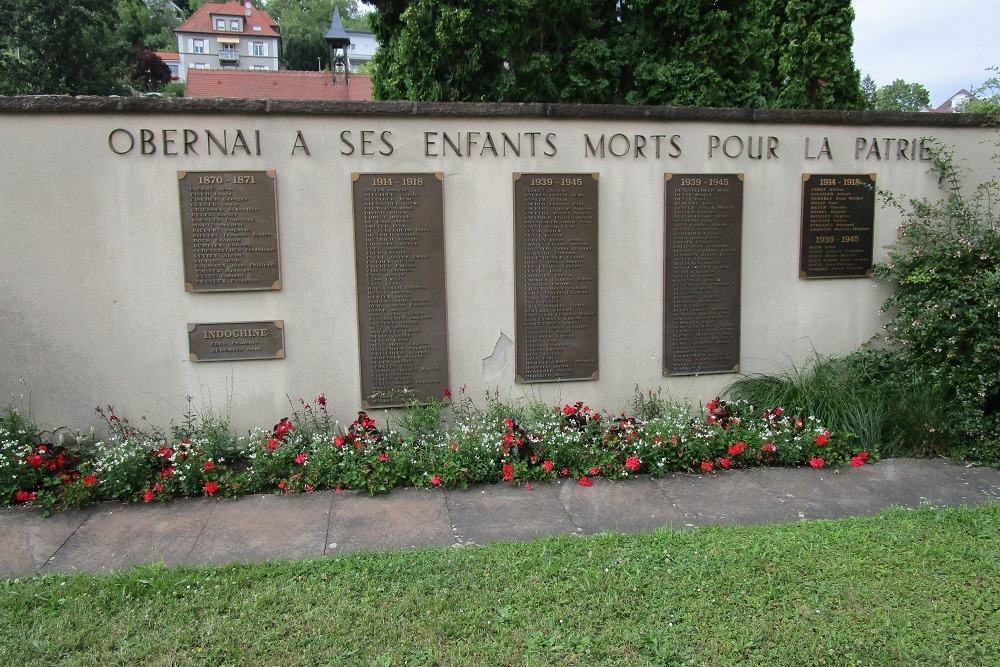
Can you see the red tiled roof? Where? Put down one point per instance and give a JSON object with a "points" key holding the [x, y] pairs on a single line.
{"points": [[166, 55], [282, 85], [201, 20]]}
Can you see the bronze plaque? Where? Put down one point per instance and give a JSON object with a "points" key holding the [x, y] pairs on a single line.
{"points": [[555, 276], [237, 341], [701, 293], [838, 225], [229, 225], [399, 253]]}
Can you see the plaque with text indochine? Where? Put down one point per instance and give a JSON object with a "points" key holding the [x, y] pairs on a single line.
{"points": [[402, 306], [237, 341], [838, 226], [702, 248], [229, 226], [555, 277]]}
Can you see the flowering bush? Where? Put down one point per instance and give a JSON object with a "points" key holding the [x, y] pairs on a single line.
{"points": [[501, 442]]}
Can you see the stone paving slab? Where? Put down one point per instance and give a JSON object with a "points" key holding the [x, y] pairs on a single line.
{"points": [[116, 536], [403, 518], [264, 527], [626, 506], [28, 540], [729, 497], [503, 513]]}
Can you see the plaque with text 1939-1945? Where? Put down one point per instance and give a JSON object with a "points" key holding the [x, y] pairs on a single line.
{"points": [[402, 307], [838, 226], [555, 277], [702, 247], [237, 341], [229, 225]]}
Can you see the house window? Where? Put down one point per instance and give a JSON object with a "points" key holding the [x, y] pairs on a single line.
{"points": [[258, 49], [259, 67], [220, 24], [198, 45], [200, 65], [234, 25]]}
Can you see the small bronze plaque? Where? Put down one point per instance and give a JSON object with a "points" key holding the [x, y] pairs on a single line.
{"points": [[237, 341], [838, 226], [402, 306], [555, 276], [229, 225], [701, 296]]}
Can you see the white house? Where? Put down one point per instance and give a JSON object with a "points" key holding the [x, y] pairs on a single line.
{"points": [[228, 36]]}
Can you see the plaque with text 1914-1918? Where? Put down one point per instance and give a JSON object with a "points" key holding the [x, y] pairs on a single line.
{"points": [[229, 225], [838, 226], [402, 306], [702, 248], [555, 277], [237, 341]]}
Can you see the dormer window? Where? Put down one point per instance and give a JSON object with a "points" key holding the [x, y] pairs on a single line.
{"points": [[220, 24], [234, 25]]}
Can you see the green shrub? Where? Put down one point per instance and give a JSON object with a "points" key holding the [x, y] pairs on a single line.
{"points": [[944, 330]]}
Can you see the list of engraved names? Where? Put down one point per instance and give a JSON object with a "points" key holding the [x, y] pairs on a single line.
{"points": [[399, 242], [556, 217], [229, 225], [704, 215]]}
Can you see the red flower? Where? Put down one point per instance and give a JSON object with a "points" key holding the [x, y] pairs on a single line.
{"points": [[272, 445], [724, 462], [508, 423], [167, 472], [823, 438], [569, 410], [158, 487], [148, 495], [281, 485], [632, 463], [508, 472], [798, 424], [547, 466], [508, 438], [338, 441], [595, 471], [34, 460], [321, 401], [383, 457], [585, 481], [209, 465], [300, 458], [737, 448], [211, 487], [765, 415], [25, 496], [707, 465], [858, 461], [282, 428], [445, 393], [863, 455], [657, 440], [564, 472], [777, 412], [675, 439], [165, 452], [767, 447], [309, 487], [528, 486], [435, 481], [817, 462], [90, 480]]}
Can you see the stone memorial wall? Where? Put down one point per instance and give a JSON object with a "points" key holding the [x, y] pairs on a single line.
{"points": [[387, 252]]}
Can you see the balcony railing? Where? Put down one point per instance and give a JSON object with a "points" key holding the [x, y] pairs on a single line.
{"points": [[229, 57]]}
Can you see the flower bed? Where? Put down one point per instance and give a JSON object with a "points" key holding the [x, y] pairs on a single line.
{"points": [[430, 445]]}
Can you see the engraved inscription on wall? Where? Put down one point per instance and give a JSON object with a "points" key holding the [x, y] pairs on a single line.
{"points": [[229, 225], [399, 252], [555, 249], [702, 246], [237, 341], [838, 226]]}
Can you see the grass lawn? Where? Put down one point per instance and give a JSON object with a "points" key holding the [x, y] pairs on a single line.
{"points": [[904, 588]]}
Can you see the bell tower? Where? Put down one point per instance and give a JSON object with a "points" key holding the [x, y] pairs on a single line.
{"points": [[338, 41]]}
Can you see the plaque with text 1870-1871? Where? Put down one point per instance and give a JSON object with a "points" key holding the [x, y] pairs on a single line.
{"points": [[702, 248], [555, 276], [237, 341], [402, 307], [229, 225], [838, 226]]}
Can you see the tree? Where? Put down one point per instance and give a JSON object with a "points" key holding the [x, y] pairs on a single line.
{"points": [[689, 52], [816, 65], [303, 26], [902, 96], [148, 24], [868, 91], [986, 97], [151, 70], [62, 47]]}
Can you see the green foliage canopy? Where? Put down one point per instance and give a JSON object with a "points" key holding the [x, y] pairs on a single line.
{"points": [[902, 96], [303, 26]]}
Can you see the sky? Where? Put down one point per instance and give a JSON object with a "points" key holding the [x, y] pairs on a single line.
{"points": [[946, 45]]}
